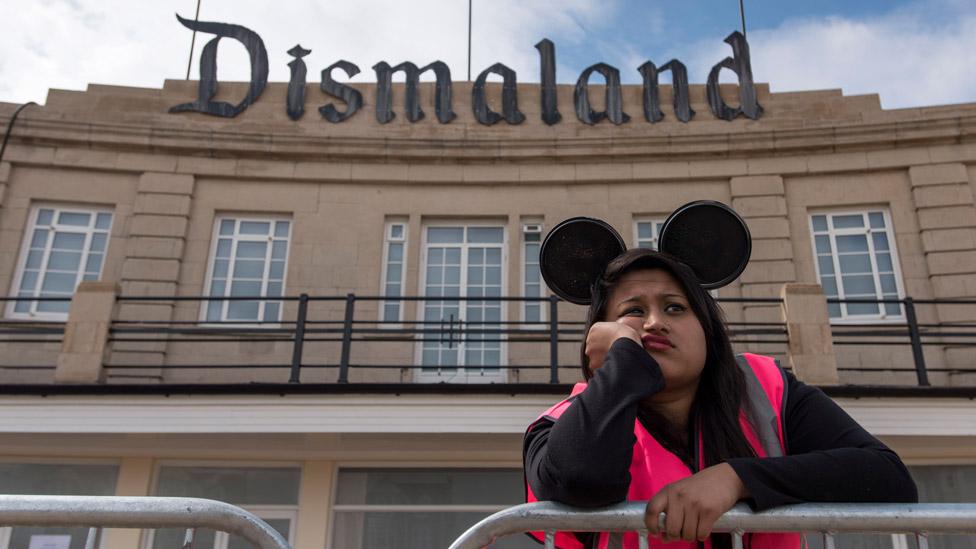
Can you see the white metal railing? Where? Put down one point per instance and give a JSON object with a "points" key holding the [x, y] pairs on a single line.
{"points": [[97, 512], [920, 519]]}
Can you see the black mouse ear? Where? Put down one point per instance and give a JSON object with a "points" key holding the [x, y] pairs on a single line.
{"points": [[575, 253], [710, 238]]}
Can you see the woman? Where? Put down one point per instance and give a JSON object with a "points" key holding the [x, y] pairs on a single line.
{"points": [[667, 415]]}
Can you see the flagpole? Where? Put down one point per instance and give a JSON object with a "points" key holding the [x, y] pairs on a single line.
{"points": [[469, 40], [742, 15], [193, 41]]}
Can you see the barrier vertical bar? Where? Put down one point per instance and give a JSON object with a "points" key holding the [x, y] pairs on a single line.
{"points": [[298, 349], [553, 339], [916, 339], [346, 338]]}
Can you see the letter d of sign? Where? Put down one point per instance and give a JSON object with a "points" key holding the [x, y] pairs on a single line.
{"points": [[479, 99], [208, 69], [613, 100], [741, 65]]}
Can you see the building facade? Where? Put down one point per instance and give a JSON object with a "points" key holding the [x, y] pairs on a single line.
{"points": [[385, 408]]}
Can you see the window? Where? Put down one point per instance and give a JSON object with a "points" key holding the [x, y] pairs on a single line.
{"points": [[646, 232], [67, 479], [271, 493], [248, 260], [420, 508], [532, 311], [394, 268], [462, 261], [62, 247], [856, 259]]}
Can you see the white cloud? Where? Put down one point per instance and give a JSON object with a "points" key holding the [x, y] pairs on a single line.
{"points": [[905, 56], [65, 44]]}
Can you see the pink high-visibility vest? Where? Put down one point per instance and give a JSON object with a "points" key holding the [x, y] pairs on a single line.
{"points": [[652, 467]]}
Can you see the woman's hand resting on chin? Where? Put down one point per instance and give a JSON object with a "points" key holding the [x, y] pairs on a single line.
{"points": [[693, 504], [601, 336]]}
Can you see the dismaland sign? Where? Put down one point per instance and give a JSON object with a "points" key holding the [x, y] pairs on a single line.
{"points": [[612, 108]]}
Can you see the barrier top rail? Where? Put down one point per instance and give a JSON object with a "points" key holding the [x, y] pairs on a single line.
{"points": [[920, 519], [138, 512]]}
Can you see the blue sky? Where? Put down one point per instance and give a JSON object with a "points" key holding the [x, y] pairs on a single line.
{"points": [[911, 53]]}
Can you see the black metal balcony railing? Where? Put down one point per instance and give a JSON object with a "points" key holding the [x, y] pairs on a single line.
{"points": [[338, 329]]}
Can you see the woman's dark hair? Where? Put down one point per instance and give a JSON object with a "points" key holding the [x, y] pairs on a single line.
{"points": [[722, 385]]}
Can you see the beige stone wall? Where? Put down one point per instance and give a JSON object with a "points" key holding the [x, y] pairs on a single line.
{"points": [[169, 176]]}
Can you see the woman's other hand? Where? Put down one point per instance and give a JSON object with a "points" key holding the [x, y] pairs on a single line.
{"points": [[693, 504], [602, 335]]}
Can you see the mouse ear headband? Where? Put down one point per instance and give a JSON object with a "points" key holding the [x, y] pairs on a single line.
{"points": [[707, 236]]}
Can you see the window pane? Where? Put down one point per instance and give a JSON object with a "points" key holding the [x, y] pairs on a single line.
{"points": [[255, 227], [274, 289], [281, 229], [826, 264], [433, 275], [213, 310], [271, 311], [103, 221], [852, 243], [252, 250], [29, 281], [224, 247], [220, 268], [278, 249], [34, 259], [833, 309], [245, 288], [64, 261], [243, 310], [476, 256], [249, 268], [227, 227], [277, 271], [395, 252], [829, 284], [94, 263], [445, 235], [58, 479], [394, 272], [862, 308], [217, 287], [848, 221], [58, 283], [892, 309], [396, 231], [858, 285], [533, 237], [493, 256], [39, 240], [855, 263], [888, 284], [819, 223], [235, 485], [644, 230], [45, 216], [823, 244], [880, 241], [391, 311], [74, 218], [452, 275], [485, 234], [876, 220], [53, 306], [452, 256], [435, 256], [475, 275], [68, 241], [429, 486], [98, 242]]}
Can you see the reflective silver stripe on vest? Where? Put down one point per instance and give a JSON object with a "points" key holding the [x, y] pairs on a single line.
{"points": [[759, 411]]}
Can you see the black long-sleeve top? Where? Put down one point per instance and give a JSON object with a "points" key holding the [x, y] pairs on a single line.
{"points": [[583, 459]]}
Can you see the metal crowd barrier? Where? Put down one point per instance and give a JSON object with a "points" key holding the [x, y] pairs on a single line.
{"points": [[828, 519], [97, 512]]}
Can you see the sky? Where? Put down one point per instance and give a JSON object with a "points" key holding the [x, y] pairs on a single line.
{"points": [[911, 53]]}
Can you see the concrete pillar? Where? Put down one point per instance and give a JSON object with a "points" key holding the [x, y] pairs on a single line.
{"points": [[154, 251], [314, 505], [83, 350], [808, 326], [135, 479]]}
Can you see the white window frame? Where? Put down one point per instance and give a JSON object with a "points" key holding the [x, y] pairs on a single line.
{"points": [[334, 508], [221, 539], [532, 227], [882, 316], [656, 223], [33, 314], [462, 374], [389, 239], [211, 263], [6, 532]]}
